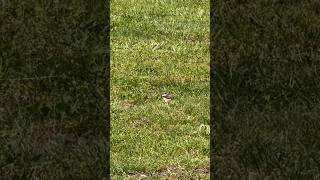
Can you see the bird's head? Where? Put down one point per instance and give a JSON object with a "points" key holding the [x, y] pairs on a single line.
{"points": [[164, 94]]}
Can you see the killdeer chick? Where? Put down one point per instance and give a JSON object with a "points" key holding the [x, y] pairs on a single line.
{"points": [[166, 97]]}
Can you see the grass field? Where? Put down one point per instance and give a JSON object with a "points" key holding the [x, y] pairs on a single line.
{"points": [[265, 94], [159, 46]]}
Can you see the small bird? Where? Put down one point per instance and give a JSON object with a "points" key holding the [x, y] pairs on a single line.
{"points": [[166, 97]]}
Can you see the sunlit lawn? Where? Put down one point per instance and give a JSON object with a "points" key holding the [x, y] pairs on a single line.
{"points": [[160, 46]]}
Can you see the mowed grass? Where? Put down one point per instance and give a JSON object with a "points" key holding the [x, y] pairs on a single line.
{"points": [[159, 46]]}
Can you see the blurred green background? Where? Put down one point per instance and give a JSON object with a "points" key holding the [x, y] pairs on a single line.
{"points": [[53, 89], [265, 89]]}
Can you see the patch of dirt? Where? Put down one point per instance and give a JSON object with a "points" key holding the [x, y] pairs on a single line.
{"points": [[141, 122], [126, 104], [137, 175]]}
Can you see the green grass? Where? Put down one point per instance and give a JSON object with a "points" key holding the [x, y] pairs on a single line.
{"points": [[159, 46], [265, 94]]}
